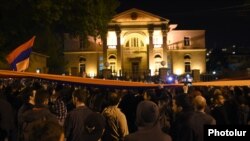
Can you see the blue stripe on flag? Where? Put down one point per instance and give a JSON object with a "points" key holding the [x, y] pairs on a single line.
{"points": [[22, 56]]}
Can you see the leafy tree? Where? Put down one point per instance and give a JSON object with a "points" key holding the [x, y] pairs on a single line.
{"points": [[48, 20], [88, 17], [101, 13]]}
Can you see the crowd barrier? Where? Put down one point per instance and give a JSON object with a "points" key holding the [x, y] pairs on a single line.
{"points": [[116, 83]]}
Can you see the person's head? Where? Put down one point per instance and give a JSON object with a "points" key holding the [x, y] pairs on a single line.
{"points": [[199, 103], [219, 99], [217, 91], [184, 102], [29, 95], [149, 94], [41, 98], [114, 98], [79, 96], [94, 126], [147, 113], [54, 95], [196, 93], [46, 130]]}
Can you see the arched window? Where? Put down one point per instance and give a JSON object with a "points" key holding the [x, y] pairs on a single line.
{"points": [[158, 56], [112, 63], [82, 59], [158, 60], [186, 57], [112, 57], [134, 42]]}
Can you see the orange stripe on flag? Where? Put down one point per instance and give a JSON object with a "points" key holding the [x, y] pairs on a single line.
{"points": [[23, 65], [11, 57]]}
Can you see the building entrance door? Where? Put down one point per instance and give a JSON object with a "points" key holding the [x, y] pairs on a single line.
{"points": [[135, 71]]}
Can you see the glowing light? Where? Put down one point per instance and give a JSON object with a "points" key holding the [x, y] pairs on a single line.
{"points": [[190, 79], [224, 49], [92, 74], [147, 41], [214, 72], [157, 46], [178, 72], [112, 46], [111, 39], [38, 70], [157, 38], [122, 40], [170, 78]]}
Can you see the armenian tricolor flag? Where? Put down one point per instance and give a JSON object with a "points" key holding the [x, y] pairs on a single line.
{"points": [[19, 58]]}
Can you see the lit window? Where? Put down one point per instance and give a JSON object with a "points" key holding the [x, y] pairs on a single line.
{"points": [[112, 46], [187, 63], [82, 67], [127, 44], [142, 44], [111, 39], [112, 57], [134, 42], [158, 56], [186, 41], [82, 59], [187, 67], [157, 38], [112, 67]]}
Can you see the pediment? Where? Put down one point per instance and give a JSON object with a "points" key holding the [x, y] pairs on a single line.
{"points": [[136, 15]]}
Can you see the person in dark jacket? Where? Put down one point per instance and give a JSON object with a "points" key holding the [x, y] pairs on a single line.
{"points": [[147, 115], [39, 112], [28, 95], [7, 125], [219, 110], [193, 127], [75, 120]]}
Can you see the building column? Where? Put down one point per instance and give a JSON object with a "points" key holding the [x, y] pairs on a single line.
{"points": [[150, 48], [164, 44], [118, 49], [105, 50]]}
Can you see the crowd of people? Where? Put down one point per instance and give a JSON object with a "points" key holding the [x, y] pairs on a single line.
{"points": [[41, 110]]}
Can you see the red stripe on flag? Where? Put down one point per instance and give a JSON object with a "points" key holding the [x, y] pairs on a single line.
{"points": [[15, 53]]}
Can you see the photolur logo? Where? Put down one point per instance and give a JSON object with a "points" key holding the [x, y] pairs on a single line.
{"points": [[235, 132]]}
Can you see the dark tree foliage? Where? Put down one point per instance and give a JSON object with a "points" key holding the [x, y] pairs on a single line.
{"points": [[88, 17], [48, 20]]}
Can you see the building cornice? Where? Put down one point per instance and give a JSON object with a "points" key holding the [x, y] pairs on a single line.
{"points": [[139, 11], [185, 50], [39, 54], [82, 52]]}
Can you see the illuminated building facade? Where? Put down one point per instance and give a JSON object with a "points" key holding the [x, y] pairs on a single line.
{"points": [[137, 44]]}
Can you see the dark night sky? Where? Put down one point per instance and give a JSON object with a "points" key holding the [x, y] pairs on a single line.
{"points": [[226, 22]]}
